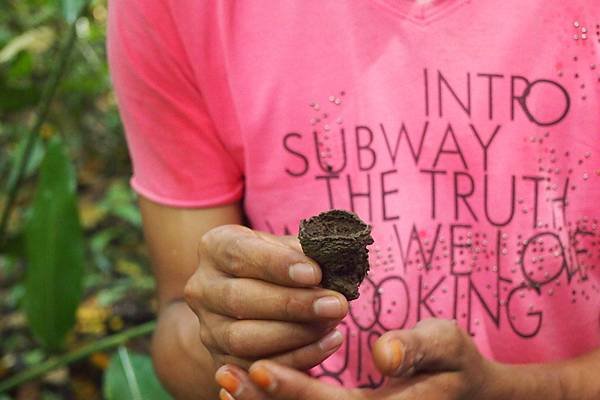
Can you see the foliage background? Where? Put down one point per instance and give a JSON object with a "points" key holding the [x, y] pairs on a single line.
{"points": [[117, 282]]}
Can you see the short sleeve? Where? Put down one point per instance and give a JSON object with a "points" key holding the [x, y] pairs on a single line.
{"points": [[178, 157]]}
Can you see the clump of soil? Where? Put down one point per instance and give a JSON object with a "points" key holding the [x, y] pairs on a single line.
{"points": [[338, 241]]}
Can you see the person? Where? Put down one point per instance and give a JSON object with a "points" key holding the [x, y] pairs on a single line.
{"points": [[465, 132]]}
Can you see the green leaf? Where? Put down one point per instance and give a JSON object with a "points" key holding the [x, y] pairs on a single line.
{"points": [[131, 376], [120, 201], [55, 251], [71, 9], [35, 158]]}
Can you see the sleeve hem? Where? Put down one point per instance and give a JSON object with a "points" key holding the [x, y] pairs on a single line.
{"points": [[226, 198]]}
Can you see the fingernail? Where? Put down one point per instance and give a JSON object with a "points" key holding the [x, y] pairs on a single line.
{"points": [[331, 341], [228, 381], [396, 356], [328, 307], [263, 378], [224, 395], [304, 274]]}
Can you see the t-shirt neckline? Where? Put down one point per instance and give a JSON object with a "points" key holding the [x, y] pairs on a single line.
{"points": [[421, 11]]}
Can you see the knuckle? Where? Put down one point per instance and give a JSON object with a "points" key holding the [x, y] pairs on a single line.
{"points": [[444, 327], [209, 242], [457, 339], [189, 293], [206, 241], [234, 264], [293, 307], [219, 236], [231, 299], [193, 292], [233, 339], [270, 264], [235, 253], [201, 248], [456, 334]]}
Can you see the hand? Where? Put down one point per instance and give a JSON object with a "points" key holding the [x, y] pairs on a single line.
{"points": [[435, 361], [255, 297]]}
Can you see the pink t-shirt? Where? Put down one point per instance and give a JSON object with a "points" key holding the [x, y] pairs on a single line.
{"points": [[466, 132]]}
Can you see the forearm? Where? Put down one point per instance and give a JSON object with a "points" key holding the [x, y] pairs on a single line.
{"points": [[575, 379], [183, 365]]}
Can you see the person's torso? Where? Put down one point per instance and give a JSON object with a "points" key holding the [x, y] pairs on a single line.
{"points": [[466, 132]]}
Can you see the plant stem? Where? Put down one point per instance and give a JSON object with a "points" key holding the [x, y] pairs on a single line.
{"points": [[43, 109], [75, 355], [132, 381]]}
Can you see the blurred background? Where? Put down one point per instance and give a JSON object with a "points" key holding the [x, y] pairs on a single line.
{"points": [[76, 306]]}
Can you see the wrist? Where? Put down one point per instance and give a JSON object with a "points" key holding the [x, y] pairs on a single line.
{"points": [[524, 382], [182, 363]]}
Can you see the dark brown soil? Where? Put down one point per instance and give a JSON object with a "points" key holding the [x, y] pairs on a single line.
{"points": [[338, 241]]}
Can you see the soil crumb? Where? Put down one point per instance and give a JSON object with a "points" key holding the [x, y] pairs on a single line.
{"points": [[338, 241]]}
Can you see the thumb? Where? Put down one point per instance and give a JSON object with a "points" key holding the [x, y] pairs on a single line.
{"points": [[432, 345], [283, 383]]}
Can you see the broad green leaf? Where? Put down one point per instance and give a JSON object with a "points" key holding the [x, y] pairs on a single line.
{"points": [[55, 251], [71, 9], [131, 376]]}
